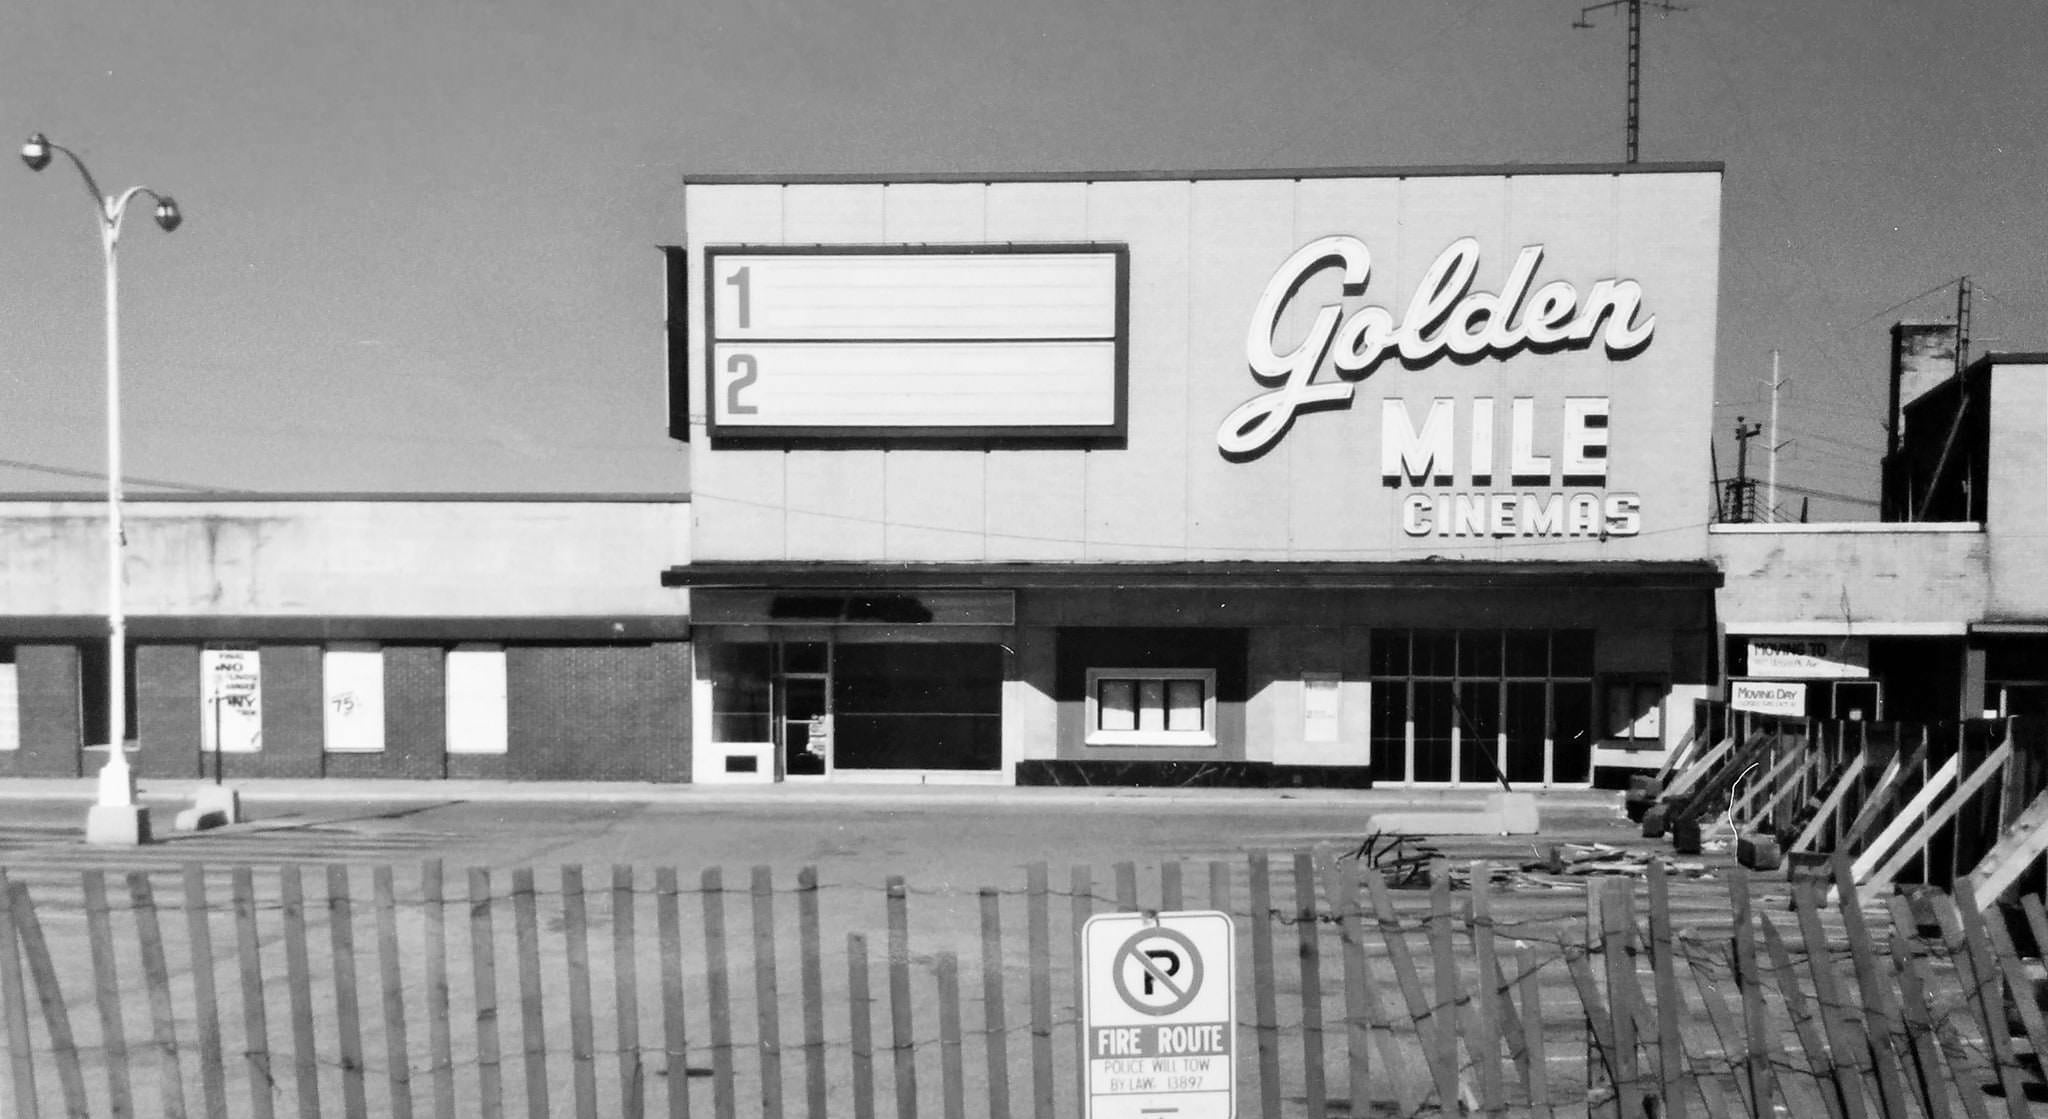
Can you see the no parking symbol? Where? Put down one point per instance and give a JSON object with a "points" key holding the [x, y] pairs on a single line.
{"points": [[1157, 971], [1158, 1015]]}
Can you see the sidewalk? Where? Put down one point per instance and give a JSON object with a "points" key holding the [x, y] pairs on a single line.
{"points": [[161, 791]]}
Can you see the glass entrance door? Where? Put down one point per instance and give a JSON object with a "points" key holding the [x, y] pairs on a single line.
{"points": [[803, 708]]}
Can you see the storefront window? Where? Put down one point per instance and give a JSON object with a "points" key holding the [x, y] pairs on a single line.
{"points": [[1390, 718], [1151, 707], [1635, 709], [740, 687], [1467, 706], [1571, 750], [2015, 677], [917, 706], [1526, 723]]}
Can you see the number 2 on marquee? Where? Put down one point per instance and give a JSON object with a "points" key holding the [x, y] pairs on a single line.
{"points": [[748, 370]]}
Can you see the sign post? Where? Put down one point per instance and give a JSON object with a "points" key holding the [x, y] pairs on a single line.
{"points": [[1158, 1015]]}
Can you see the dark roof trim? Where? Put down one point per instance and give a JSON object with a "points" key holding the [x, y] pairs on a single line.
{"points": [[1326, 575], [1398, 172], [196, 628], [258, 496], [2019, 628]]}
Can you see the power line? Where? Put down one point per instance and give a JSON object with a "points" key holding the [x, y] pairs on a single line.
{"points": [[1829, 494], [1914, 299], [100, 476]]}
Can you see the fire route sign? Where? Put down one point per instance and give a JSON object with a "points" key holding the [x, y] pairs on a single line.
{"points": [[1158, 1015]]}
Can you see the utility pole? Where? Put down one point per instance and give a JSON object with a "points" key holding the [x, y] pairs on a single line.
{"points": [[1771, 443], [1955, 428], [1635, 55], [1742, 491], [1962, 323]]}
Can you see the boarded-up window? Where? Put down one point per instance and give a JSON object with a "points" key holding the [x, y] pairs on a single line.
{"points": [[353, 700], [476, 701], [231, 687], [10, 701]]}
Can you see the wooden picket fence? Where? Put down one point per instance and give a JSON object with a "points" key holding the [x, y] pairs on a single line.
{"points": [[238, 991]]}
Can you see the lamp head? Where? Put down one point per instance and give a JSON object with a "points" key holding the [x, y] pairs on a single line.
{"points": [[167, 214], [36, 153]]}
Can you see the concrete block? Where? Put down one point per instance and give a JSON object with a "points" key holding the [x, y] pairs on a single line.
{"points": [[1653, 821], [1503, 814], [1758, 852], [1685, 837], [223, 799], [117, 825], [1807, 866], [1516, 812], [1642, 793], [200, 819]]}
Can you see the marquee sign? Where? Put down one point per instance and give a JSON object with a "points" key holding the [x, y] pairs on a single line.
{"points": [[1446, 318], [915, 342]]}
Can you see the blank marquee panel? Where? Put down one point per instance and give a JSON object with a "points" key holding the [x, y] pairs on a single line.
{"points": [[909, 342]]}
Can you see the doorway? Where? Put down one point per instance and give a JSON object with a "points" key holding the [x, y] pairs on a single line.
{"points": [[802, 691]]}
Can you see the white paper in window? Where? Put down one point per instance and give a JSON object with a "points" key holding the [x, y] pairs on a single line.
{"points": [[1319, 706], [232, 688], [1151, 705], [1116, 705], [1184, 702], [1649, 720]]}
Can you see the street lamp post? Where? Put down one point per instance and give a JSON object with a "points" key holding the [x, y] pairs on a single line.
{"points": [[115, 817]]}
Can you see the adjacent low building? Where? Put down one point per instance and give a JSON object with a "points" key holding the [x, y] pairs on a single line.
{"points": [[388, 636], [1939, 612]]}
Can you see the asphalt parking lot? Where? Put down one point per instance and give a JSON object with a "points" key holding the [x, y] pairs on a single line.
{"points": [[849, 832]]}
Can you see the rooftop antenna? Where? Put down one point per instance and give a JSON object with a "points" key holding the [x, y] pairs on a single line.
{"points": [[1635, 55]]}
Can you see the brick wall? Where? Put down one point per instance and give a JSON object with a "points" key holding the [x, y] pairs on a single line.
{"points": [[51, 734], [598, 712], [415, 711], [170, 709], [293, 727], [586, 712]]}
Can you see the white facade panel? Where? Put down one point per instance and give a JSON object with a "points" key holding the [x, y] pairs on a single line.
{"points": [[381, 558], [1550, 316]]}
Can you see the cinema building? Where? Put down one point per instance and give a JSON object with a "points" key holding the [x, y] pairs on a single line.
{"points": [[1319, 478], [1303, 478]]}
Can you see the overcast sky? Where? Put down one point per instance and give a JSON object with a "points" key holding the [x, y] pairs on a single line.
{"points": [[420, 247]]}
